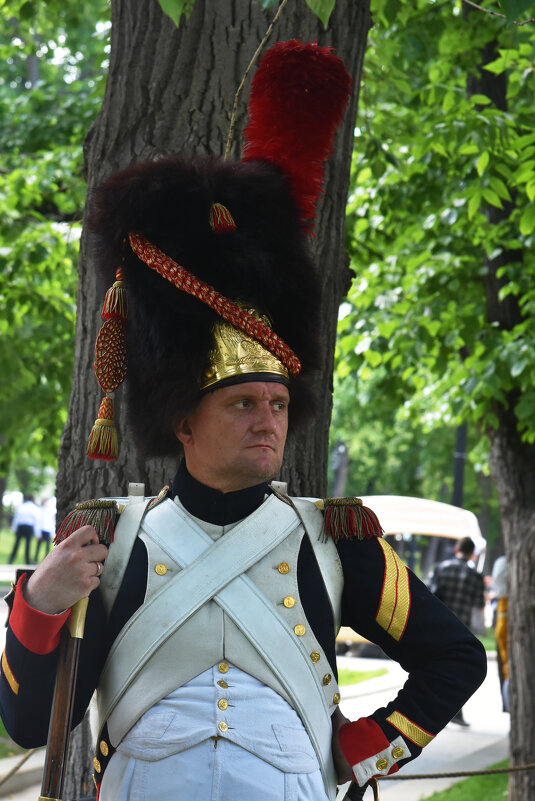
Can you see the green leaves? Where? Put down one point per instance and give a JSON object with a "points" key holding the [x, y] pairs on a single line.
{"points": [[322, 9], [42, 125], [442, 190], [514, 9], [175, 8]]}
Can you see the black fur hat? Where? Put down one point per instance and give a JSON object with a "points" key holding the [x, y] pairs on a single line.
{"points": [[262, 261]]}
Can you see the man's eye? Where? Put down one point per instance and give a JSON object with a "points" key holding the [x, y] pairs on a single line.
{"points": [[242, 404], [279, 406]]}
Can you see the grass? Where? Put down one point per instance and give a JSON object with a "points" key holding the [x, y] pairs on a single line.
{"points": [[488, 788], [346, 676], [6, 545]]}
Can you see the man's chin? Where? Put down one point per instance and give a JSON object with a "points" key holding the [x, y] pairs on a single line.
{"points": [[262, 470]]}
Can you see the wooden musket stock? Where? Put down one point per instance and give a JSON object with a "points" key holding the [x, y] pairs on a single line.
{"points": [[59, 732]]}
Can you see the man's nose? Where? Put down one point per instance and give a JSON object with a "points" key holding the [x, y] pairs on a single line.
{"points": [[264, 419]]}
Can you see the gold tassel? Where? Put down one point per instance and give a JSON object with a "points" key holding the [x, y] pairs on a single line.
{"points": [[97, 513], [221, 220], [347, 518], [103, 438], [110, 369]]}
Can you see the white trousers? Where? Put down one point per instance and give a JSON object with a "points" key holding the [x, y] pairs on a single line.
{"points": [[206, 772]]}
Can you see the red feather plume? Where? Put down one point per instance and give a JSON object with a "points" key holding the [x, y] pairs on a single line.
{"points": [[298, 98]]}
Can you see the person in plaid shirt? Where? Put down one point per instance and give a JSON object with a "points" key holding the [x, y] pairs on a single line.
{"points": [[458, 584]]}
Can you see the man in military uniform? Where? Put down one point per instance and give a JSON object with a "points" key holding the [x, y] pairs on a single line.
{"points": [[210, 632]]}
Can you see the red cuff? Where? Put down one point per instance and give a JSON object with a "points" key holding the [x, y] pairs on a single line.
{"points": [[361, 739], [36, 631]]}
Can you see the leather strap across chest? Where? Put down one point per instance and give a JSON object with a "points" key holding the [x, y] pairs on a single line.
{"points": [[215, 571]]}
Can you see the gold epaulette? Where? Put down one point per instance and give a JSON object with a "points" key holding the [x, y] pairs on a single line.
{"points": [[347, 518], [101, 514]]}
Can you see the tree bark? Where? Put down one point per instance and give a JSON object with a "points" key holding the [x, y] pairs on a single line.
{"points": [[171, 91], [512, 464], [512, 469]]}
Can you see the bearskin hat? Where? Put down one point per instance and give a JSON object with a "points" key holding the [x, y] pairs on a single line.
{"points": [[261, 260]]}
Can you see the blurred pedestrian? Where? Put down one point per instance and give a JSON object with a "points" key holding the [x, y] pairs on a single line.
{"points": [[499, 588], [26, 524], [48, 528], [457, 583]]}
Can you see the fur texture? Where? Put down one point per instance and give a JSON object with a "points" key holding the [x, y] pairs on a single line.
{"points": [[263, 263], [298, 98]]}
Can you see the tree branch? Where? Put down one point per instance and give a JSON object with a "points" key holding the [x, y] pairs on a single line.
{"points": [[496, 13]]}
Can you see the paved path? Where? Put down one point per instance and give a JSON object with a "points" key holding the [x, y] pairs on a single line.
{"points": [[478, 746]]}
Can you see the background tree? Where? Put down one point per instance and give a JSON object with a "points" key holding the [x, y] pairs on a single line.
{"points": [[441, 222], [46, 105]]}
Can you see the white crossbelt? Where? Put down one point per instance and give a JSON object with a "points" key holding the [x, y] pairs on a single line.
{"points": [[213, 571]]}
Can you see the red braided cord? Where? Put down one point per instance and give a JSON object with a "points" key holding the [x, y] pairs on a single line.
{"points": [[226, 309]]}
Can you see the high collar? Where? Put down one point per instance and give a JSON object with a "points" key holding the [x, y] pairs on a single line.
{"points": [[213, 506]]}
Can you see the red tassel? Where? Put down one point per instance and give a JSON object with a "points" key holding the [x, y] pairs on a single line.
{"points": [[221, 220], [347, 518]]}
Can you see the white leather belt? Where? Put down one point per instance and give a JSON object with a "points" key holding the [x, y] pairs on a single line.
{"points": [[213, 571]]}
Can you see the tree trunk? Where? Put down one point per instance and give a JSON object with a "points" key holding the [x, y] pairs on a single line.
{"points": [[512, 465], [171, 91]]}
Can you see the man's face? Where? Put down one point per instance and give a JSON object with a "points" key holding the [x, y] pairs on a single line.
{"points": [[235, 437]]}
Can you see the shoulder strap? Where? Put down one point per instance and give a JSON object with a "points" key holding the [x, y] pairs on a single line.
{"points": [[324, 548], [120, 550], [210, 566], [326, 556]]}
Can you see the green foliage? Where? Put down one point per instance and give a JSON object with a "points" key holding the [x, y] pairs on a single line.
{"points": [[176, 8], [430, 165], [51, 84]]}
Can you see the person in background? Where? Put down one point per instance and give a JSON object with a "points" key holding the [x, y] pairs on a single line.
{"points": [[48, 528], [458, 584], [499, 589], [26, 525]]}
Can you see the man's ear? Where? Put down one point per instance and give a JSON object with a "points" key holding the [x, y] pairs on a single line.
{"points": [[183, 432]]}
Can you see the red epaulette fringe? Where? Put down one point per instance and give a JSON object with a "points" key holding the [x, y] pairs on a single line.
{"points": [[347, 518], [97, 513]]}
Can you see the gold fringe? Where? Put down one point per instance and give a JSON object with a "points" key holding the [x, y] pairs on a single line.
{"points": [[97, 513]]}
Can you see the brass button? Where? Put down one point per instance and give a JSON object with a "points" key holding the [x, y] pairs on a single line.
{"points": [[315, 656], [381, 764], [161, 569], [104, 748], [222, 704], [289, 602], [96, 765], [223, 683], [397, 752], [222, 726], [284, 568], [299, 629], [327, 679], [223, 667], [336, 698]]}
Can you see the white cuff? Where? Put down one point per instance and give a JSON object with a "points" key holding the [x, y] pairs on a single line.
{"points": [[381, 763]]}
